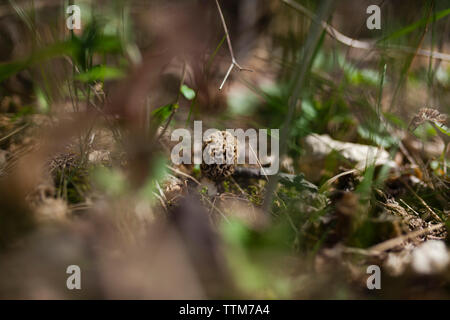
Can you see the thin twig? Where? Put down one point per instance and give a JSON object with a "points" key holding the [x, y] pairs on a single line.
{"points": [[6, 10], [259, 162], [181, 173], [303, 65], [392, 243], [357, 44], [360, 251], [160, 191], [409, 207], [226, 76], [433, 214], [330, 181], [161, 200], [14, 132], [215, 208], [234, 63]]}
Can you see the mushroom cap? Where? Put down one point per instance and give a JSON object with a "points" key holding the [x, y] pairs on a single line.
{"points": [[220, 154]]}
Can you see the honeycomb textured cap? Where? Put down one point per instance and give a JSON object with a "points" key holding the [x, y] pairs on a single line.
{"points": [[222, 148]]}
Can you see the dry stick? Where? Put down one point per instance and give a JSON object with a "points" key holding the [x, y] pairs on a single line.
{"points": [[14, 132], [363, 252], [160, 191], [161, 200], [230, 47], [5, 10], [330, 181], [239, 187], [212, 206], [391, 243], [181, 173], [433, 214], [215, 208], [409, 207], [357, 44], [259, 162], [445, 139]]}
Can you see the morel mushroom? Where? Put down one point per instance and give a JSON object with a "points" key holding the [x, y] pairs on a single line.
{"points": [[220, 152]]}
